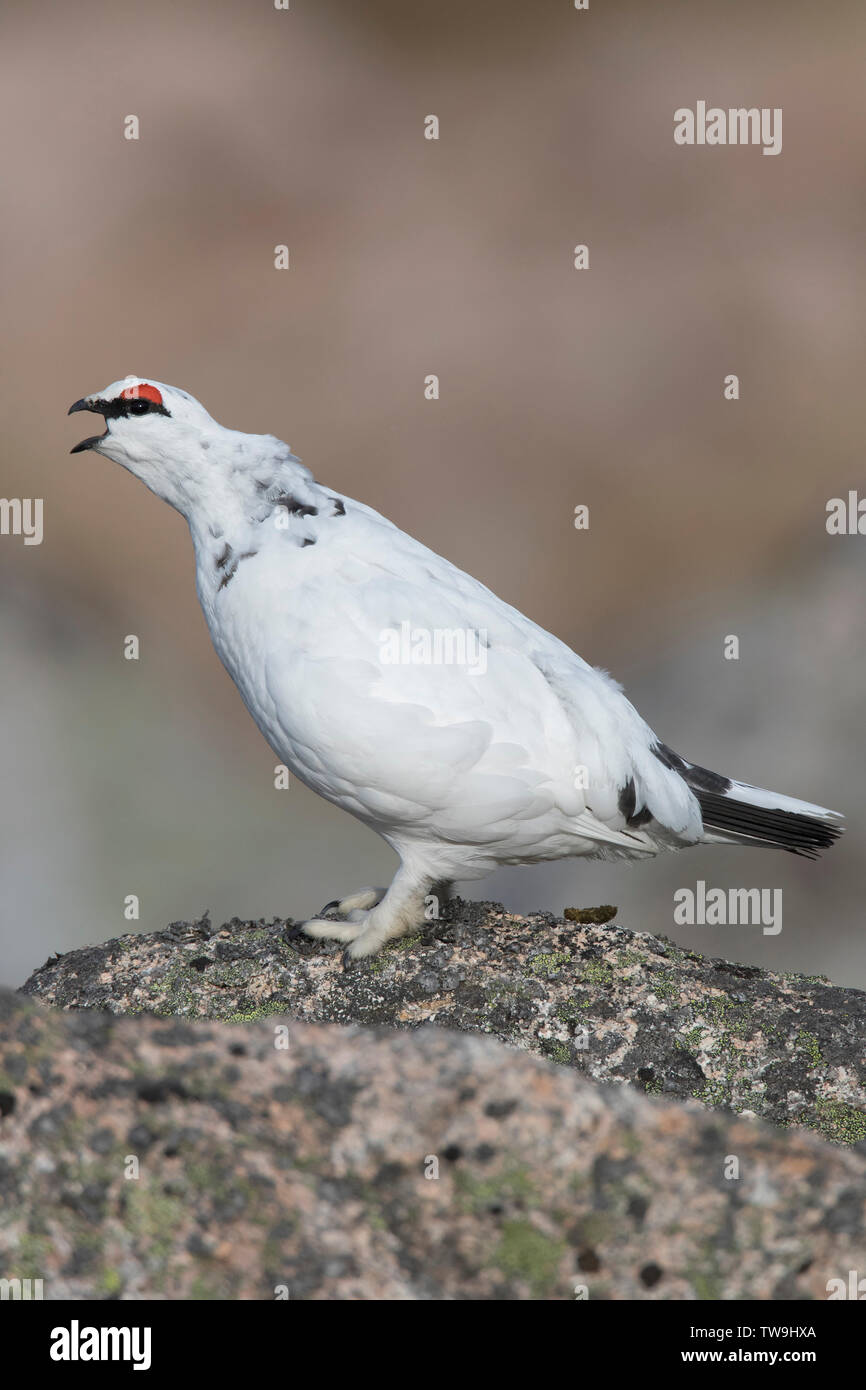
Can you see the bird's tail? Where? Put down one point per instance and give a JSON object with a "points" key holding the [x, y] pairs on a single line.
{"points": [[747, 815], [735, 813]]}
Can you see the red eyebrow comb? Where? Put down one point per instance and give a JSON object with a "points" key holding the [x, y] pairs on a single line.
{"points": [[144, 392]]}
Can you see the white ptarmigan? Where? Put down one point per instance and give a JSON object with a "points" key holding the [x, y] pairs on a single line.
{"points": [[404, 691]]}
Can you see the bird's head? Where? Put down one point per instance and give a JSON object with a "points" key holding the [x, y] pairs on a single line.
{"points": [[141, 418], [167, 439], [161, 434]]}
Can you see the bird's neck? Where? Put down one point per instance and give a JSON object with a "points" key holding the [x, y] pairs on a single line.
{"points": [[243, 504], [238, 483]]}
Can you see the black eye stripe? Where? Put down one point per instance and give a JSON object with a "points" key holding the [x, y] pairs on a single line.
{"points": [[123, 409]]}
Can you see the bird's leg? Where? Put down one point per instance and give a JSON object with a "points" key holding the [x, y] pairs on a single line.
{"points": [[355, 908], [400, 912]]}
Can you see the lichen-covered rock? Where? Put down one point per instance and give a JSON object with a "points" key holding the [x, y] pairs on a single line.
{"points": [[146, 1157], [617, 1005]]}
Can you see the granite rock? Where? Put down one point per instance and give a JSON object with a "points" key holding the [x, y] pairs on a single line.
{"points": [[616, 1005], [174, 1158]]}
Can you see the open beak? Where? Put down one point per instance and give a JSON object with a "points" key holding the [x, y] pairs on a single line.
{"points": [[88, 403]]}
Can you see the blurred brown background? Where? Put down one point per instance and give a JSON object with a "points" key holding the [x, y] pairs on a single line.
{"points": [[454, 257]]}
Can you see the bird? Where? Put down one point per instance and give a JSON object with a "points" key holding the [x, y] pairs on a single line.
{"points": [[400, 689]]}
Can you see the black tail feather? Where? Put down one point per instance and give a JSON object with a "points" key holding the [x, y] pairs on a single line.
{"points": [[788, 830]]}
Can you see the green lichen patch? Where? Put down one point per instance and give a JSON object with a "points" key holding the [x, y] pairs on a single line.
{"points": [[840, 1123], [549, 964]]}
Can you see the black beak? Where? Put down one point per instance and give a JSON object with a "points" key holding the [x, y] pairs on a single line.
{"points": [[94, 439]]}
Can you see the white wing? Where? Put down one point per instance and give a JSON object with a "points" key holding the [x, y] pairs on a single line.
{"points": [[536, 744]]}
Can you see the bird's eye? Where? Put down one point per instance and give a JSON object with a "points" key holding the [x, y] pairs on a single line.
{"points": [[139, 407]]}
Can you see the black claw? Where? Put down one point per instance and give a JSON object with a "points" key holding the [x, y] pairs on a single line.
{"points": [[329, 907]]}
